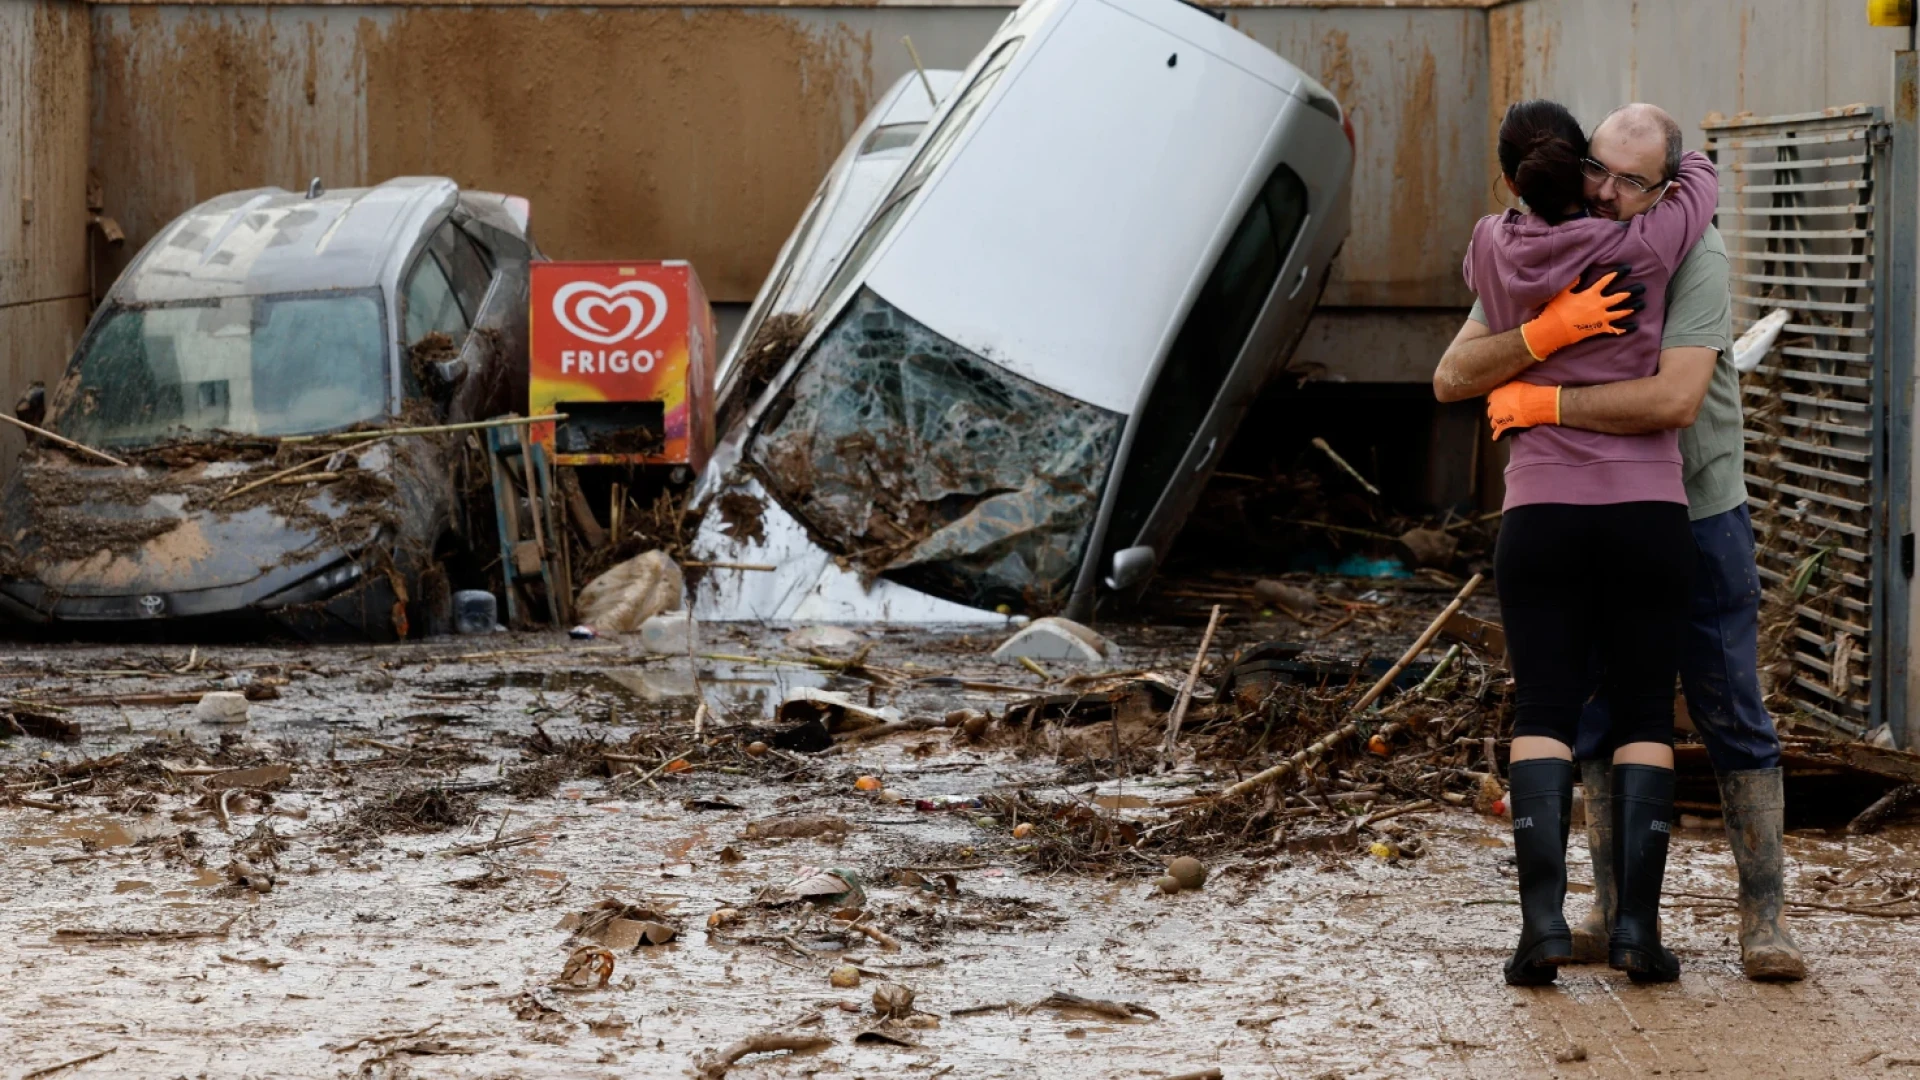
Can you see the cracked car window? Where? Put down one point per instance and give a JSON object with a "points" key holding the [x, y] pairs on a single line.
{"points": [[920, 461]]}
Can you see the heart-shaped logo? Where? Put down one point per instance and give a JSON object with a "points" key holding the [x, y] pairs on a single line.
{"points": [[588, 308]]}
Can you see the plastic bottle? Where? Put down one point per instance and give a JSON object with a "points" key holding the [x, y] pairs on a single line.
{"points": [[475, 611]]}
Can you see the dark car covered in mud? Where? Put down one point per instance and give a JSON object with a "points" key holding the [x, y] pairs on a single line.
{"points": [[252, 324]]}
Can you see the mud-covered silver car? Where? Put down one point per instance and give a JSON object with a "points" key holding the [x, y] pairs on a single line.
{"points": [[1026, 366], [256, 316]]}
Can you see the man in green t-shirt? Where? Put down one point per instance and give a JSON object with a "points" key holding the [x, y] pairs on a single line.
{"points": [[1634, 154]]}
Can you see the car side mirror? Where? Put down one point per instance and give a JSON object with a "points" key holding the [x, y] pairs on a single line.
{"points": [[447, 377], [32, 406], [1131, 566]]}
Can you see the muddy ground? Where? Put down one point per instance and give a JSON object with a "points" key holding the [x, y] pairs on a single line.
{"points": [[394, 905]]}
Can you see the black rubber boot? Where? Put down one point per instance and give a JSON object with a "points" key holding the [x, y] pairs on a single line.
{"points": [[1590, 938], [1541, 802], [1755, 804], [1642, 823]]}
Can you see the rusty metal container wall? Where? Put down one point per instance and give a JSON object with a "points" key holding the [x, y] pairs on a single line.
{"points": [[639, 132], [1693, 57], [43, 173], [699, 131], [1413, 81]]}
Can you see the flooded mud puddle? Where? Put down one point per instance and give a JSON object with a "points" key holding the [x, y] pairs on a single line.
{"points": [[394, 905]]}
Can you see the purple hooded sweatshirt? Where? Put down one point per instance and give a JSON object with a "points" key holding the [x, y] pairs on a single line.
{"points": [[1517, 263]]}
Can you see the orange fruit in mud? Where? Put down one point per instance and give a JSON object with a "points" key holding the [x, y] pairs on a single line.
{"points": [[678, 765], [867, 783], [1378, 745]]}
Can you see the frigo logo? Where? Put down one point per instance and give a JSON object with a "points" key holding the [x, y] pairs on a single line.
{"points": [[590, 311]]}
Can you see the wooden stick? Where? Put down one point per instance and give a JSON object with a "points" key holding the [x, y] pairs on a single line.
{"points": [[1396, 811], [1321, 445], [1439, 669], [880, 937], [51, 1069], [69, 444], [1179, 713], [492, 845], [281, 475], [767, 1043], [1308, 753], [433, 429], [1420, 645], [1878, 913]]}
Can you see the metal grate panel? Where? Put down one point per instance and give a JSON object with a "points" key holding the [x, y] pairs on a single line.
{"points": [[1797, 209]]}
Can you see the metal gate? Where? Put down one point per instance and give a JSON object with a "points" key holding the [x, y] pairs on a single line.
{"points": [[1799, 211]]}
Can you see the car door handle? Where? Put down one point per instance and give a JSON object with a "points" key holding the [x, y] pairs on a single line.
{"points": [[1208, 454], [1299, 281]]}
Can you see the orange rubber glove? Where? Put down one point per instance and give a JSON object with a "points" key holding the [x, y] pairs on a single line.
{"points": [[1576, 316], [1518, 406]]}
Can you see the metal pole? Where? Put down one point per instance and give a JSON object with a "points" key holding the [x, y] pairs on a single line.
{"points": [[1899, 197]]}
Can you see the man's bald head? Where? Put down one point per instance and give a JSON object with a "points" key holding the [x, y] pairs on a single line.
{"points": [[1642, 143]]}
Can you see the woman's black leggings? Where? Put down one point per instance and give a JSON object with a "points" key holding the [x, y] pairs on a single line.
{"points": [[1580, 583]]}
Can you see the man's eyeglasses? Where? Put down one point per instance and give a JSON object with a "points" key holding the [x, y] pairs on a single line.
{"points": [[1600, 174]]}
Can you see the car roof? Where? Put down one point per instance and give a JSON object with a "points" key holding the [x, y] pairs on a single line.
{"points": [[270, 240], [1066, 251]]}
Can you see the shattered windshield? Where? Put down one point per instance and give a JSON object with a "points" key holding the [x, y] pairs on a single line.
{"points": [[918, 460], [250, 365]]}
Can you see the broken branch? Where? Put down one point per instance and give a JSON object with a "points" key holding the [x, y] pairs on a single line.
{"points": [[1179, 713], [51, 1069], [432, 429], [281, 475], [62, 440], [764, 1043], [1321, 445], [1420, 644]]}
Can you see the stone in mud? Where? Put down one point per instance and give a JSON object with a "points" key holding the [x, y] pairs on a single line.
{"points": [[1290, 599], [893, 1001], [1188, 872], [1427, 547], [1054, 638], [222, 707]]}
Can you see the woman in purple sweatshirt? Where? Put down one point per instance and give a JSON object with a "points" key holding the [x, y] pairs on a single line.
{"points": [[1595, 550]]}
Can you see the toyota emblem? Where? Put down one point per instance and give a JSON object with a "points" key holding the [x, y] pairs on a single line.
{"points": [[152, 605]]}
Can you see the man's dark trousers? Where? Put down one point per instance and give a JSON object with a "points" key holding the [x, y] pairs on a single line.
{"points": [[1719, 657]]}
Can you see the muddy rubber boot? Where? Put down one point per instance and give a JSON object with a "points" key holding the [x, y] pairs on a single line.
{"points": [[1541, 802], [1755, 805], [1590, 937], [1642, 824]]}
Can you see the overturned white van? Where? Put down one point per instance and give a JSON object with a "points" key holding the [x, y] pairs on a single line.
{"points": [[1027, 364]]}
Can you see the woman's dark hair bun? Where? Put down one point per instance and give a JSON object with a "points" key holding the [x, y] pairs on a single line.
{"points": [[1541, 147]]}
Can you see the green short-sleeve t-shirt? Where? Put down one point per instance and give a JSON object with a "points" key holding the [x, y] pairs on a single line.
{"points": [[1700, 314]]}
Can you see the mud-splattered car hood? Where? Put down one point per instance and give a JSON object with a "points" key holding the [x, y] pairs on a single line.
{"points": [[151, 529]]}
